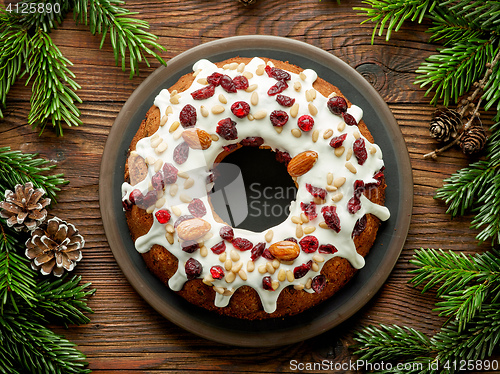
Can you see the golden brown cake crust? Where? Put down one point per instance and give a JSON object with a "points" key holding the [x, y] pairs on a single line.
{"points": [[245, 302]]}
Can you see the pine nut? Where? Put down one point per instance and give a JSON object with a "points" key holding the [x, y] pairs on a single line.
{"points": [[173, 190], [260, 114], [254, 99], [296, 132], [350, 167], [163, 120], [327, 133], [218, 109], [188, 183], [203, 251], [337, 197], [228, 264], [312, 109], [222, 99], [339, 151], [315, 135], [251, 88], [176, 210], [230, 277], [174, 126], [294, 110], [250, 266], [309, 230], [204, 111], [185, 198], [234, 255], [282, 275], [270, 268], [339, 182], [242, 275], [269, 236], [348, 154], [341, 126]]}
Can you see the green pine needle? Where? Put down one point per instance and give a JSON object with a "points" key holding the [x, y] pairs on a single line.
{"points": [[126, 34]]}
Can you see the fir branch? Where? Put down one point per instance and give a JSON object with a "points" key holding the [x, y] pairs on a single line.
{"points": [[126, 33], [451, 28], [37, 349], [64, 301], [17, 167], [43, 20], [452, 72], [486, 13], [54, 96], [393, 13], [14, 41]]}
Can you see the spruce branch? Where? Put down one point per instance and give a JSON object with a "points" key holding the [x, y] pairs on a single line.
{"points": [[451, 28], [19, 168], [125, 33], [54, 96], [393, 13]]}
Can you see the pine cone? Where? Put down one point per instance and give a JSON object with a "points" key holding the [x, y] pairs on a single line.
{"points": [[444, 124], [473, 140], [24, 209], [54, 247], [248, 2]]}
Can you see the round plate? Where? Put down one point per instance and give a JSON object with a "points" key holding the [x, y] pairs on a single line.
{"points": [[379, 262]]}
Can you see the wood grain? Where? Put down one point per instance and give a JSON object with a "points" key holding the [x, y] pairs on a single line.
{"points": [[125, 334]]}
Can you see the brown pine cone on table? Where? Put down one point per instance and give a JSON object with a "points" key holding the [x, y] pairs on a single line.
{"points": [[24, 208]]}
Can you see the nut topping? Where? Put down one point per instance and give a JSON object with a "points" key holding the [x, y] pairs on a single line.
{"points": [[302, 163], [285, 250], [197, 138]]}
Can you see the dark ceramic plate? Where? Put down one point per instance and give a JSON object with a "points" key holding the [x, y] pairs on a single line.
{"points": [[380, 261]]}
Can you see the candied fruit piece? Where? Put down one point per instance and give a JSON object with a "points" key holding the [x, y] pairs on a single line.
{"points": [[267, 283], [158, 181], [301, 270], [349, 120], [252, 141], [285, 101], [190, 246], [278, 74], [227, 84], [181, 153], [316, 191], [309, 210], [359, 150], [354, 204], [217, 272], [169, 173], [214, 79], [318, 283], [257, 251], [283, 157], [240, 109], [193, 269], [359, 226], [305, 122], [240, 82], [277, 88], [327, 249], [162, 216]]}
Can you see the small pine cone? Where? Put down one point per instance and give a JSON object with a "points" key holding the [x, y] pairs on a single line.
{"points": [[444, 124], [473, 140], [54, 246], [248, 2], [24, 209]]}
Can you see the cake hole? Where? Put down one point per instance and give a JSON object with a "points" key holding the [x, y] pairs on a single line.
{"points": [[252, 190]]}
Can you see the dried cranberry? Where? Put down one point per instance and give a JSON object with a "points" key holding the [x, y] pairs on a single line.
{"points": [[214, 79], [359, 226], [147, 200], [126, 204], [337, 105], [193, 269], [190, 246], [279, 118], [158, 181], [309, 210], [226, 128], [169, 173], [305, 122], [327, 249], [187, 117], [309, 244], [197, 208], [240, 109], [337, 141], [181, 153], [279, 87], [210, 178], [267, 283], [227, 84], [240, 82], [316, 191], [354, 204], [242, 244], [252, 141], [283, 157], [203, 93], [162, 216], [217, 272], [378, 176], [359, 187], [267, 254], [359, 150], [285, 101], [318, 283], [278, 74], [229, 148], [331, 217], [257, 251], [134, 195], [301, 270], [226, 233], [219, 248], [290, 239], [349, 120], [181, 219]]}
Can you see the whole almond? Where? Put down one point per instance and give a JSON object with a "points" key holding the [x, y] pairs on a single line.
{"points": [[285, 250], [197, 138], [302, 163], [193, 229]]}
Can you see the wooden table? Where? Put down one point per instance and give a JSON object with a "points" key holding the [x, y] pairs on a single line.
{"points": [[125, 334]]}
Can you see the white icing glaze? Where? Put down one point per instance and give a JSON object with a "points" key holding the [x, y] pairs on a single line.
{"points": [[200, 162]]}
